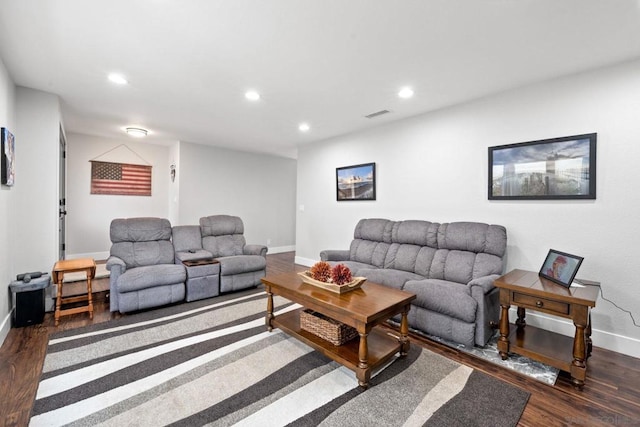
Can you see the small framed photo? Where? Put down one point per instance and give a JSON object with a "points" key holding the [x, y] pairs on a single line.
{"points": [[357, 182], [560, 267]]}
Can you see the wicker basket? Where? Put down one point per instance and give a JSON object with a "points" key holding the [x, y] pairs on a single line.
{"points": [[326, 328]]}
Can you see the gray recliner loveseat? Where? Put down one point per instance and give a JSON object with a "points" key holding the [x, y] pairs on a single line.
{"points": [[450, 267]]}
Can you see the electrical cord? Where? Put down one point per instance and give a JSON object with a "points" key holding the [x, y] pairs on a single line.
{"points": [[608, 300]]}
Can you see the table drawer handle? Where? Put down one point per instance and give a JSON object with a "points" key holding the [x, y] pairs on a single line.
{"points": [[539, 304]]}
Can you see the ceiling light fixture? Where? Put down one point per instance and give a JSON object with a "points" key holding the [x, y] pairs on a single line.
{"points": [[137, 132], [405, 92], [304, 127], [117, 79], [252, 95]]}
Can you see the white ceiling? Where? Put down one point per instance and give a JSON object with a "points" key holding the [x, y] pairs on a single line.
{"points": [[326, 62]]}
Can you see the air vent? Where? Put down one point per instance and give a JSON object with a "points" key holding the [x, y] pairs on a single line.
{"points": [[377, 113]]}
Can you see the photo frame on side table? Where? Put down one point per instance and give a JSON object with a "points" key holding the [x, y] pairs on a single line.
{"points": [[549, 169], [560, 267], [357, 182], [7, 157]]}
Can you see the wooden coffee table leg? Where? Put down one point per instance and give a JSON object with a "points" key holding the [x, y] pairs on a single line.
{"points": [[269, 316], [404, 332], [363, 373]]}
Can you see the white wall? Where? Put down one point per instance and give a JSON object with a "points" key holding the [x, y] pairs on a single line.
{"points": [[259, 188], [29, 230], [434, 167], [7, 203], [89, 215]]}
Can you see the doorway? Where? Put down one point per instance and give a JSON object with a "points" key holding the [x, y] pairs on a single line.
{"points": [[62, 205]]}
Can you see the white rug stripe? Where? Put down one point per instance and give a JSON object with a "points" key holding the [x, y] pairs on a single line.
{"points": [[102, 401], [446, 389], [198, 395], [303, 400], [153, 321], [77, 377]]}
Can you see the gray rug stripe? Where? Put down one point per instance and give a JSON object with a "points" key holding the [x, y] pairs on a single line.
{"points": [[501, 403]]}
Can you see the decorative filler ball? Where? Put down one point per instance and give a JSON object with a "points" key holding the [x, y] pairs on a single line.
{"points": [[321, 271], [340, 274]]}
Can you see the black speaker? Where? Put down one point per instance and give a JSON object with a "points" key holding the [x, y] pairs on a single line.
{"points": [[29, 308]]}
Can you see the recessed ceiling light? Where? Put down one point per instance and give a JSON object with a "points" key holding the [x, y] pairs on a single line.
{"points": [[252, 95], [304, 127], [405, 92], [136, 132], [117, 79]]}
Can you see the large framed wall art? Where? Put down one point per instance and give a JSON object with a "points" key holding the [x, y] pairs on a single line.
{"points": [[357, 182], [556, 168]]}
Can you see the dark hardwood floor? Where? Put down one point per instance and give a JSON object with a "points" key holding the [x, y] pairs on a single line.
{"points": [[611, 395]]}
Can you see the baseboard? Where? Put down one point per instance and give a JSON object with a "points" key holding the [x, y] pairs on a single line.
{"points": [[280, 249], [614, 342], [95, 255], [5, 327], [305, 261]]}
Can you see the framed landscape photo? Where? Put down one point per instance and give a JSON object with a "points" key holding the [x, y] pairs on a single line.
{"points": [[557, 168], [7, 157], [560, 267], [356, 182]]}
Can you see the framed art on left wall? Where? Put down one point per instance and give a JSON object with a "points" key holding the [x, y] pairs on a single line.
{"points": [[8, 157]]}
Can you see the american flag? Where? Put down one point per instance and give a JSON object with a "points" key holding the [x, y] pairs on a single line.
{"points": [[120, 178]]}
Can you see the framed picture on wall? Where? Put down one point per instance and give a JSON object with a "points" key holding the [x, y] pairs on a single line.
{"points": [[557, 168], [357, 182], [7, 157], [560, 267]]}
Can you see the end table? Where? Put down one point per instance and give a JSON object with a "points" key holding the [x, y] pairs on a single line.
{"points": [[527, 290], [61, 267]]}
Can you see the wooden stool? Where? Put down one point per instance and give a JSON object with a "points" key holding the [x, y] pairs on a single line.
{"points": [[88, 265]]}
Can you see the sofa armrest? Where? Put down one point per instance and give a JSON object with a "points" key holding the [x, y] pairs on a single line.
{"points": [[116, 265], [255, 250], [485, 283], [335, 255]]}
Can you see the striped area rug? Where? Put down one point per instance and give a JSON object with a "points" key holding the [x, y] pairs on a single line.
{"points": [[213, 363]]}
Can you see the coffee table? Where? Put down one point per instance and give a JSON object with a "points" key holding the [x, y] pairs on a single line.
{"points": [[362, 308]]}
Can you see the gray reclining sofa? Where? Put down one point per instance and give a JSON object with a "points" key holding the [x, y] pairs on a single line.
{"points": [[147, 261], [450, 267]]}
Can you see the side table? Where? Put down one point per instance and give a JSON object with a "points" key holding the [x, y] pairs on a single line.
{"points": [[527, 290], [88, 265]]}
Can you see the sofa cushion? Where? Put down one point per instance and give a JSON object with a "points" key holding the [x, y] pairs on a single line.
{"points": [[441, 296], [415, 232], [368, 252], [375, 229], [139, 254], [241, 264], [473, 237], [150, 276], [186, 237], [388, 277]]}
